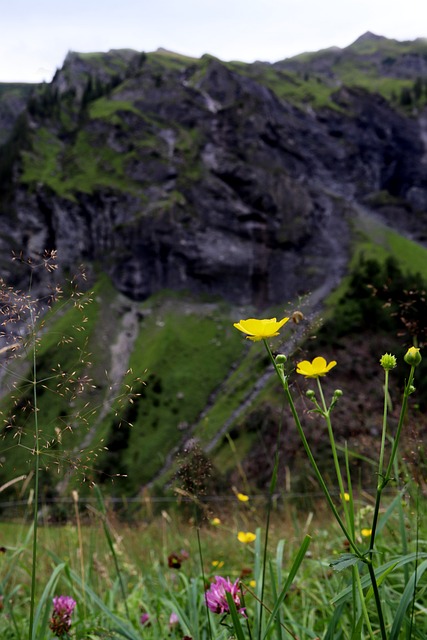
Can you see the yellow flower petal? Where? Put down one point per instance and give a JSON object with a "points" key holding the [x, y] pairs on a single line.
{"points": [[242, 497], [319, 367], [246, 536], [366, 532], [260, 329], [215, 522], [218, 564]]}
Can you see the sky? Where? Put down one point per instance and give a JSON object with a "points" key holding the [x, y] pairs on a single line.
{"points": [[35, 35]]}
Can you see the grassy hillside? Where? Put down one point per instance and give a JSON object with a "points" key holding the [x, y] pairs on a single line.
{"points": [[122, 386]]}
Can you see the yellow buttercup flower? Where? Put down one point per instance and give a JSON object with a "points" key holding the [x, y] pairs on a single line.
{"points": [[346, 496], [218, 564], [260, 329], [242, 497], [315, 369], [246, 537], [252, 584], [366, 532], [215, 522]]}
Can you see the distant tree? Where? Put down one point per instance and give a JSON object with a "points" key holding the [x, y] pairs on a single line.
{"points": [[418, 88], [405, 97]]}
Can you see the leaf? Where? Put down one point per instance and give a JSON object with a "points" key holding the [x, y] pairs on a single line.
{"points": [[292, 573], [344, 561], [237, 626]]}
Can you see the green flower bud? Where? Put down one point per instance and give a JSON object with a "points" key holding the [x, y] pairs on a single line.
{"points": [[337, 393], [310, 394], [387, 361], [281, 359], [413, 356]]}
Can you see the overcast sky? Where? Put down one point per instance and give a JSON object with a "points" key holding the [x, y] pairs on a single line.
{"points": [[37, 34]]}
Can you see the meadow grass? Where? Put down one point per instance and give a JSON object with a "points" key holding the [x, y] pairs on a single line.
{"points": [[250, 567]]}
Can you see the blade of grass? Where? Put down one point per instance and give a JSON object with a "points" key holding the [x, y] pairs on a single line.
{"points": [[292, 573]]}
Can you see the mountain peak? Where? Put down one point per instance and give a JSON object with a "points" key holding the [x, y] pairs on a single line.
{"points": [[368, 36]]}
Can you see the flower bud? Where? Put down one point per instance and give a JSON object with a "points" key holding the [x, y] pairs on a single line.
{"points": [[337, 393], [281, 359], [388, 361], [413, 356], [310, 394]]}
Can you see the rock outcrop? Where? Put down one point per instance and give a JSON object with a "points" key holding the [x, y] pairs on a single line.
{"points": [[169, 172]]}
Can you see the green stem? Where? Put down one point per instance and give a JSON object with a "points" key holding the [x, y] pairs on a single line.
{"points": [[384, 430], [383, 480], [36, 484], [377, 599], [356, 576], [316, 470], [326, 415]]}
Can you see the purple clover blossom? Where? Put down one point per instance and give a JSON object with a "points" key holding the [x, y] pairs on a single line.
{"points": [[173, 620], [145, 619], [216, 598], [60, 622]]}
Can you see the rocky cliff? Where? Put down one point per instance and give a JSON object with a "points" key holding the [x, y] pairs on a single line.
{"points": [[219, 183], [212, 177]]}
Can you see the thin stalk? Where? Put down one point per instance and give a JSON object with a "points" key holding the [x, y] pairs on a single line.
{"points": [[377, 598], [36, 484], [80, 539], [383, 480], [356, 576], [199, 545], [326, 415], [384, 429], [267, 526], [306, 446]]}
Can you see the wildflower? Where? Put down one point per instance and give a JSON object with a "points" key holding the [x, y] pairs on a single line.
{"points": [[242, 497], [260, 329], [387, 361], [413, 356], [145, 619], [60, 622], [246, 536], [215, 522], [252, 583], [173, 620], [216, 598], [218, 563], [315, 369], [366, 532], [346, 496]]}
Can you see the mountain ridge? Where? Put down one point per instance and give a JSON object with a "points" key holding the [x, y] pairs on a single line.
{"points": [[196, 192]]}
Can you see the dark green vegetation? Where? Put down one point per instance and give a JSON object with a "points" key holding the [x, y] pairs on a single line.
{"points": [[198, 192]]}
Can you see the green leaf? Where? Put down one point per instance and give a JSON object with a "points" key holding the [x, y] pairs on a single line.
{"points": [[344, 561], [292, 573], [43, 600], [237, 625], [406, 599]]}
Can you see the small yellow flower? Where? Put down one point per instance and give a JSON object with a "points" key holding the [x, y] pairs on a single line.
{"points": [[315, 369], [260, 329], [366, 532], [218, 564], [242, 497], [252, 584], [246, 537], [215, 522], [346, 496]]}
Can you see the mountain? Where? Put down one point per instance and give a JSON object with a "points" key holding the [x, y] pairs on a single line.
{"points": [[196, 191]]}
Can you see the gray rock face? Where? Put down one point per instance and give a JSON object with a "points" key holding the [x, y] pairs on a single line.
{"points": [[192, 176]]}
